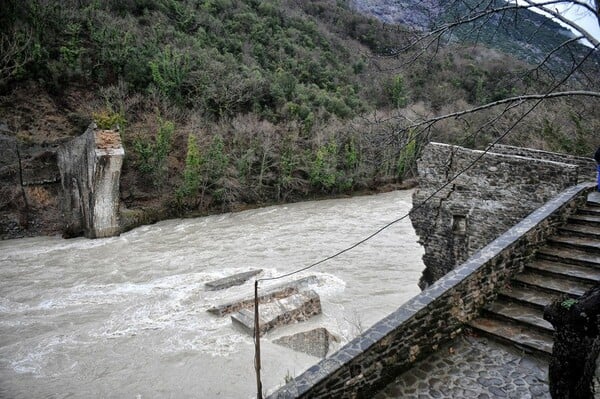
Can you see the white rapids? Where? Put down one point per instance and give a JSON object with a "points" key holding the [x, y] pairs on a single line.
{"points": [[125, 317]]}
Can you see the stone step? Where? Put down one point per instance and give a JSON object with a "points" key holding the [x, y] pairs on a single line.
{"points": [[569, 256], [528, 296], [589, 209], [523, 338], [580, 243], [593, 199], [293, 309], [574, 272], [580, 230], [589, 220], [551, 284], [231, 281], [519, 314]]}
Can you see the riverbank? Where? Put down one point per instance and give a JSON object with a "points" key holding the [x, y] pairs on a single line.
{"points": [[132, 218], [43, 217]]}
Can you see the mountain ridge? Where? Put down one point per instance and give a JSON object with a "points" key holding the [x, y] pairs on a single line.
{"points": [[522, 32]]}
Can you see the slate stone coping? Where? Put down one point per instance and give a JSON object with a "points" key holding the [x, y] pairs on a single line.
{"points": [[319, 372]]}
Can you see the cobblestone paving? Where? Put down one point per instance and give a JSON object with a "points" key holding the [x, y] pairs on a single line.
{"points": [[473, 368]]}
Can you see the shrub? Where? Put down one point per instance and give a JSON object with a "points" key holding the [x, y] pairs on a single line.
{"points": [[214, 169], [323, 170], [397, 92], [408, 156], [169, 71], [107, 119], [152, 156], [191, 173]]}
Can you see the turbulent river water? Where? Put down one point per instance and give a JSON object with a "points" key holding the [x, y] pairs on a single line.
{"points": [[125, 317]]}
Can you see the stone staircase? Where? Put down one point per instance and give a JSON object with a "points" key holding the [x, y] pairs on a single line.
{"points": [[568, 264]]}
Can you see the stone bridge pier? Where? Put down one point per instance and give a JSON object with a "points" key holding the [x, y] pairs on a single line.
{"points": [[90, 169]]}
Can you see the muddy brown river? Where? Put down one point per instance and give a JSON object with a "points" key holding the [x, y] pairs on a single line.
{"points": [[125, 317]]}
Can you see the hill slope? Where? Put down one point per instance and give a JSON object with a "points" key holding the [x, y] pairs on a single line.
{"points": [[228, 103]]}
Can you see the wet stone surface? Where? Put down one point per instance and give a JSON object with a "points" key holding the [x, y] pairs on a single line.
{"points": [[472, 367]]}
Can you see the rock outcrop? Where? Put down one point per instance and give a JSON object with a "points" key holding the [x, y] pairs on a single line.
{"points": [[29, 188]]}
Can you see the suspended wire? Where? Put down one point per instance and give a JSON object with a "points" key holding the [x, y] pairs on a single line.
{"points": [[351, 247]]}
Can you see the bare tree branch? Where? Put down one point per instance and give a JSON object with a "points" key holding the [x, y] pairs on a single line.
{"points": [[554, 13], [513, 6], [517, 99], [14, 53]]}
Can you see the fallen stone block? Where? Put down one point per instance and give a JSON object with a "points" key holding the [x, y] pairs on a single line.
{"points": [[293, 309], [230, 281], [275, 292], [314, 342]]}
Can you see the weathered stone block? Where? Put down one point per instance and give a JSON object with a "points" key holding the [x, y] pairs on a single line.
{"points": [[276, 292], [314, 342], [230, 281], [293, 309]]}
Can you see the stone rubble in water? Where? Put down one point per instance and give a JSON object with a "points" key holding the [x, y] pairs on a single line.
{"points": [[271, 293], [293, 309], [314, 342], [230, 281]]}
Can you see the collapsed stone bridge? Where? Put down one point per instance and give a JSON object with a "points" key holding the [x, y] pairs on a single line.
{"points": [[480, 232]]}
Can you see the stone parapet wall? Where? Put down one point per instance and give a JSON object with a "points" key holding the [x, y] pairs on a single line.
{"points": [[587, 166], [416, 329], [466, 198]]}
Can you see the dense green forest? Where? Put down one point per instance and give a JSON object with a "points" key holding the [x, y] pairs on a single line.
{"points": [[224, 103]]}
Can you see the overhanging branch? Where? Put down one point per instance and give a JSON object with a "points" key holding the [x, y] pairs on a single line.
{"points": [[511, 100]]}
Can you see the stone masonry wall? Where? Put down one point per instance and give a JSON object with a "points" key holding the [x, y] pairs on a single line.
{"points": [[391, 346], [480, 204], [587, 166]]}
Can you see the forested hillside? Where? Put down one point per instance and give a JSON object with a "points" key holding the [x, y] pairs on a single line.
{"points": [[224, 103]]}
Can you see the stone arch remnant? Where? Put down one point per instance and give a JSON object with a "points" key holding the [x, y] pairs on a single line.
{"points": [[90, 169], [493, 191]]}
